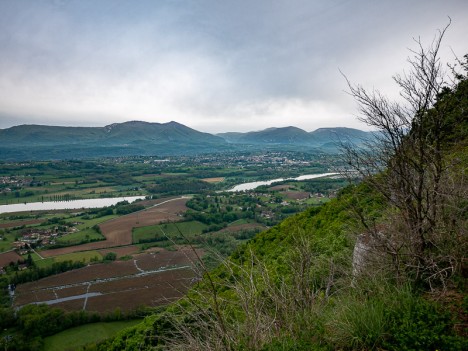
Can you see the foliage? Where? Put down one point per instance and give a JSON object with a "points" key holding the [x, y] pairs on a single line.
{"points": [[32, 323], [110, 256], [123, 209], [421, 325]]}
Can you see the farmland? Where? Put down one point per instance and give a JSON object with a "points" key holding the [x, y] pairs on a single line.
{"points": [[97, 263], [118, 231], [74, 338], [150, 279]]}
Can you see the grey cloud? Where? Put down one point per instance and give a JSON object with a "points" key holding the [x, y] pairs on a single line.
{"points": [[217, 65]]}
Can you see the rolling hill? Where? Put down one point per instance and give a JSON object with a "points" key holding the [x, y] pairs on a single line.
{"points": [[118, 139], [136, 138], [321, 138]]}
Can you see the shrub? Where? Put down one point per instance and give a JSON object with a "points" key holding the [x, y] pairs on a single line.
{"points": [[110, 256], [422, 325]]}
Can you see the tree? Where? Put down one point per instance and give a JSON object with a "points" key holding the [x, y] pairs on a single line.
{"points": [[405, 163], [110, 256]]}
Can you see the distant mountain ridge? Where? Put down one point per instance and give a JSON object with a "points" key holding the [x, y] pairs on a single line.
{"points": [[114, 134], [137, 138], [134, 138], [297, 136]]}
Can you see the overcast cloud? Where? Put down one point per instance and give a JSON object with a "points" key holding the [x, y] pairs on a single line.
{"points": [[212, 65]]}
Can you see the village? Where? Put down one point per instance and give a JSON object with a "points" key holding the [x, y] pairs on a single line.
{"points": [[38, 238]]}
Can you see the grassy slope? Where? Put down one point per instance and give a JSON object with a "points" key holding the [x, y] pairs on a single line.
{"points": [[374, 315], [371, 315], [327, 226]]}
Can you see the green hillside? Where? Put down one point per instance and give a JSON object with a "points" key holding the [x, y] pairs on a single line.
{"points": [[37, 142], [381, 267], [286, 135], [322, 137]]}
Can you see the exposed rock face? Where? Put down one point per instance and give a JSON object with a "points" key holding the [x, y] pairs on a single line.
{"points": [[361, 254], [369, 251]]}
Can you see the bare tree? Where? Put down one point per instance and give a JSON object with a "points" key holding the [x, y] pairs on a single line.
{"points": [[404, 161]]}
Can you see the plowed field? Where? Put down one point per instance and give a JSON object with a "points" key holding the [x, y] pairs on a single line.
{"points": [[7, 257], [152, 278]]}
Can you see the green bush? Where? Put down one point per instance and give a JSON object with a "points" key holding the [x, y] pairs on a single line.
{"points": [[110, 256], [422, 325], [358, 324]]}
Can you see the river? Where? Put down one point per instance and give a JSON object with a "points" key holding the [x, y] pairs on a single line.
{"points": [[253, 185], [66, 205], [97, 203]]}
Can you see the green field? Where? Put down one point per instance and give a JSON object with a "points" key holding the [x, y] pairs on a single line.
{"points": [[317, 201], [171, 229], [78, 337], [88, 223], [79, 237], [85, 256], [43, 263], [6, 241]]}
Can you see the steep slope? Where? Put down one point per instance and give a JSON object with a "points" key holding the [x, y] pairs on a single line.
{"points": [[354, 274]]}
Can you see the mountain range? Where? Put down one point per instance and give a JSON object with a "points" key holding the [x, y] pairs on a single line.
{"points": [[143, 138], [297, 136]]}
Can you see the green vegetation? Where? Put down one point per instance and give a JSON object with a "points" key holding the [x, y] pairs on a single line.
{"points": [[161, 232], [81, 237], [381, 267], [34, 323], [110, 256], [193, 233], [36, 181], [78, 337], [85, 257]]}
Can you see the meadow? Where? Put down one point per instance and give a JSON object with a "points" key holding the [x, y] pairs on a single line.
{"points": [[74, 338]]}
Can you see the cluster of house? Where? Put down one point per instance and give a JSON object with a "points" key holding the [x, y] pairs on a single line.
{"points": [[11, 183], [41, 237]]}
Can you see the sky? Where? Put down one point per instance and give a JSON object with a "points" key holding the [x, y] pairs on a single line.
{"points": [[213, 65]]}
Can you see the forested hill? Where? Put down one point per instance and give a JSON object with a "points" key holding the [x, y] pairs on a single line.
{"points": [[381, 267], [320, 138], [136, 138], [119, 139]]}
